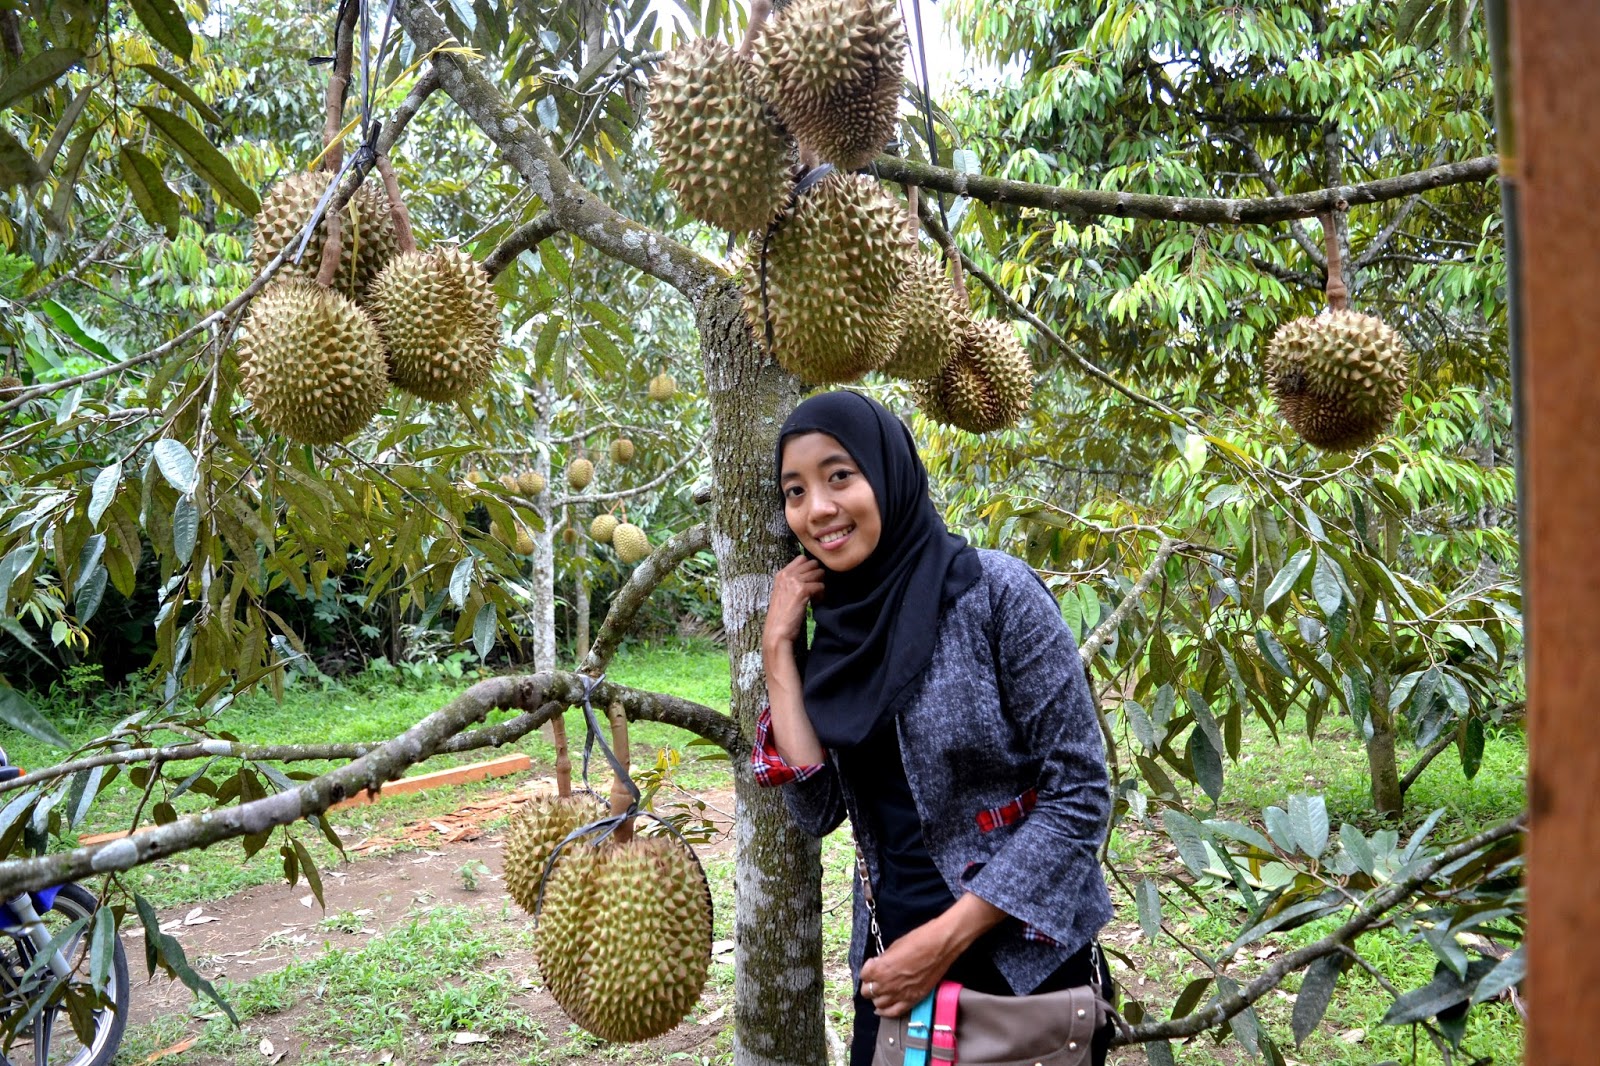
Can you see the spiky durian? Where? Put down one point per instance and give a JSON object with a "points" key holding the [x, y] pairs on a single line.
{"points": [[1338, 377], [533, 834], [530, 482], [987, 385], [603, 527], [833, 71], [722, 150], [312, 363], [569, 535], [367, 238], [440, 321], [631, 543], [624, 937], [622, 451], [929, 323], [579, 473], [831, 269], [663, 387]]}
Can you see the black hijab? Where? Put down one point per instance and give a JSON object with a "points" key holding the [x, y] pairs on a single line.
{"points": [[876, 623]]}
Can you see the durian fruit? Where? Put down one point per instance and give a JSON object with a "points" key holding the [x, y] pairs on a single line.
{"points": [[579, 473], [508, 482], [987, 386], [569, 535], [832, 268], [631, 543], [530, 483], [533, 834], [9, 386], [833, 72], [930, 325], [622, 451], [440, 321], [663, 387], [519, 540], [367, 237], [475, 476], [722, 150], [1338, 377], [624, 936], [524, 545], [312, 363], [603, 527]]}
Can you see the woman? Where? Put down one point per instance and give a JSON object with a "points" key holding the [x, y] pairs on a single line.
{"points": [[942, 706]]}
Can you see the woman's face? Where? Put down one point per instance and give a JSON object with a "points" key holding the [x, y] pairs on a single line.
{"points": [[828, 502]]}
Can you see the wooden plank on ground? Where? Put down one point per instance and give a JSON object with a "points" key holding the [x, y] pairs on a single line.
{"points": [[504, 766]]}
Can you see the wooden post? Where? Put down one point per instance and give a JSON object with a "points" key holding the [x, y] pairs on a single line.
{"points": [[1555, 163]]}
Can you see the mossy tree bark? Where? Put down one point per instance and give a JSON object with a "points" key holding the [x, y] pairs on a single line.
{"points": [[544, 546]]}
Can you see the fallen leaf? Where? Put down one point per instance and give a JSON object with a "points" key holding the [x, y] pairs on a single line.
{"points": [[266, 1046], [721, 947], [277, 1058], [1353, 1036], [176, 1049], [192, 915], [714, 1016], [306, 901], [386, 1058], [469, 1038]]}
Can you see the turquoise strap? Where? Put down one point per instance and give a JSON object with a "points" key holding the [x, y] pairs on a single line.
{"points": [[919, 1030]]}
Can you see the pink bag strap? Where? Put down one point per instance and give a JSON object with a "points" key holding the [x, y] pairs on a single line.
{"points": [[945, 1002]]}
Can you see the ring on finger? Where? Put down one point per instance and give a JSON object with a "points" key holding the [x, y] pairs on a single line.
{"points": [[868, 988]]}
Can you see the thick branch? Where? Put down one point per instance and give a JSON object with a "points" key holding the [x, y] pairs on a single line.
{"points": [[1093, 203], [526, 236], [1098, 636], [1369, 914], [541, 695], [633, 594], [1433, 751], [575, 208], [1301, 237]]}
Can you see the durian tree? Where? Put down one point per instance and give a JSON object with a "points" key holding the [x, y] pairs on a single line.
{"points": [[227, 511]]}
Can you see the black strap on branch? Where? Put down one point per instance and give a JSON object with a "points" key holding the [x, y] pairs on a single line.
{"points": [[927, 103]]}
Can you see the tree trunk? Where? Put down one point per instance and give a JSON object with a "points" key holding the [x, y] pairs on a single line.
{"points": [[543, 613], [580, 590], [1387, 796], [778, 1015]]}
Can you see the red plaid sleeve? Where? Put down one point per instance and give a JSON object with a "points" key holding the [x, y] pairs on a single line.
{"points": [[770, 767], [1008, 813]]}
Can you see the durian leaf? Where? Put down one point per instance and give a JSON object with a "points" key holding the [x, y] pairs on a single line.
{"points": [[177, 464], [185, 528], [484, 628], [156, 202], [105, 488], [19, 713], [210, 164], [178, 86], [40, 72], [17, 165], [164, 21]]}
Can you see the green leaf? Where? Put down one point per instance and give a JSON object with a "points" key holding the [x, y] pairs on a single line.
{"points": [[40, 72], [185, 528], [102, 948], [1286, 577], [1240, 832], [88, 558], [18, 713], [1159, 1052], [1358, 848], [161, 949], [164, 21], [67, 321], [308, 868], [1316, 992], [1207, 762], [1358, 697], [1140, 723], [1189, 998], [1147, 897], [1325, 585], [156, 202], [1272, 651], [105, 488], [1308, 819], [1203, 718], [484, 628], [90, 593], [1512, 969], [15, 562], [85, 789], [17, 165], [1186, 835], [211, 165], [461, 581], [1446, 990], [1470, 742], [182, 88], [177, 464]]}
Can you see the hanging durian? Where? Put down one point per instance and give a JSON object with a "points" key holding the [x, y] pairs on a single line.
{"points": [[530, 483], [663, 387], [722, 150], [929, 324], [366, 232], [631, 543], [532, 835], [312, 363], [440, 321], [579, 473], [832, 266], [569, 535], [622, 451], [988, 385], [603, 527], [834, 70]]}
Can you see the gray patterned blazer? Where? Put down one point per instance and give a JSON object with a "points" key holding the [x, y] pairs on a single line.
{"points": [[1007, 767]]}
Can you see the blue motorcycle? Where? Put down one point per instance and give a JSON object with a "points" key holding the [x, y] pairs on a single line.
{"points": [[50, 1012]]}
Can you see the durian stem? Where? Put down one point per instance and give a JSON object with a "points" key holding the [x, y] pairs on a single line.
{"points": [[759, 10], [621, 798], [333, 154], [328, 269], [405, 239], [1338, 292], [913, 219], [558, 737]]}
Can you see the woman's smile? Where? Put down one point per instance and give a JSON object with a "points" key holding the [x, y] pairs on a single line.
{"points": [[828, 502]]}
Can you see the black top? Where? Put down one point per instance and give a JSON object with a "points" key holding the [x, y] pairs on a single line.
{"points": [[910, 890]]}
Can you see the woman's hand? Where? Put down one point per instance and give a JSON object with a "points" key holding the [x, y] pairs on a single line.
{"points": [[792, 590], [908, 969]]}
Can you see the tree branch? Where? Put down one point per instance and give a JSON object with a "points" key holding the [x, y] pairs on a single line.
{"points": [[633, 594], [1259, 165], [542, 695], [526, 236], [100, 249], [1097, 637], [574, 208], [1093, 203], [1368, 915], [637, 490]]}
